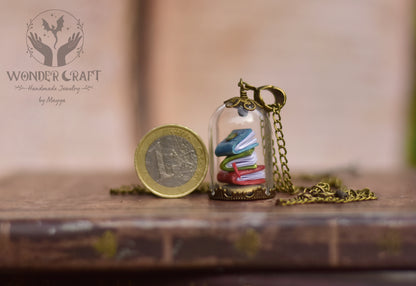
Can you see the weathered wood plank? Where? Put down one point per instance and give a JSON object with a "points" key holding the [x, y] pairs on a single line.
{"points": [[64, 221]]}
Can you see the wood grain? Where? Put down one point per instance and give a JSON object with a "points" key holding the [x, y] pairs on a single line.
{"points": [[70, 221]]}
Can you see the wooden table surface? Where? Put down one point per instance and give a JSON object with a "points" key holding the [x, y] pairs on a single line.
{"points": [[70, 221]]}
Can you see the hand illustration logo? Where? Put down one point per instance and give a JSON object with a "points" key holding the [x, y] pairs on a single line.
{"points": [[67, 48], [45, 50], [39, 41]]}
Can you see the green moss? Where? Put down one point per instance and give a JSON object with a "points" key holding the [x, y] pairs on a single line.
{"points": [[248, 243], [411, 138], [411, 142], [390, 243], [106, 245]]}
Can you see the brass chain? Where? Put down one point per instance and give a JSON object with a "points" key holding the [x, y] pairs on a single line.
{"points": [[136, 189], [323, 193], [284, 180], [328, 190], [129, 190]]}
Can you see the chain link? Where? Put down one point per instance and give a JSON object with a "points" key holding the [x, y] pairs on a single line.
{"points": [[328, 190], [323, 193], [276, 173], [282, 176], [139, 189], [129, 190]]}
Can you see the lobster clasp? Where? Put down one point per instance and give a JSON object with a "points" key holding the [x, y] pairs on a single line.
{"points": [[279, 97]]}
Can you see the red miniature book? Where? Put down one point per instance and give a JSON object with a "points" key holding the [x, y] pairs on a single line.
{"points": [[243, 177]]}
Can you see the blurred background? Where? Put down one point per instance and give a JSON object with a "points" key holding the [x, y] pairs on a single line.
{"points": [[347, 68]]}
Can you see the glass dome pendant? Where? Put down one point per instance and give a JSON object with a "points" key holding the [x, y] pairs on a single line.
{"points": [[241, 147]]}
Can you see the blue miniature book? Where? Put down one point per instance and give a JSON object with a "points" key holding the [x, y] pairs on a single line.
{"points": [[238, 141]]}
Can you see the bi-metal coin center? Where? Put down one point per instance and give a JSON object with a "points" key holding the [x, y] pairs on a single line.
{"points": [[171, 161]]}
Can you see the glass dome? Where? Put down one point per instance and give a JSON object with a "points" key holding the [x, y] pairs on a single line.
{"points": [[240, 147]]}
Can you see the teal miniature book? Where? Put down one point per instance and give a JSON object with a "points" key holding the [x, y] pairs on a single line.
{"points": [[238, 141]]}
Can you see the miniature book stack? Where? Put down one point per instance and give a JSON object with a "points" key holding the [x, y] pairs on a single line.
{"points": [[240, 164]]}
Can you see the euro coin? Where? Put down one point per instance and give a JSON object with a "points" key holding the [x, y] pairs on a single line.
{"points": [[171, 161]]}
